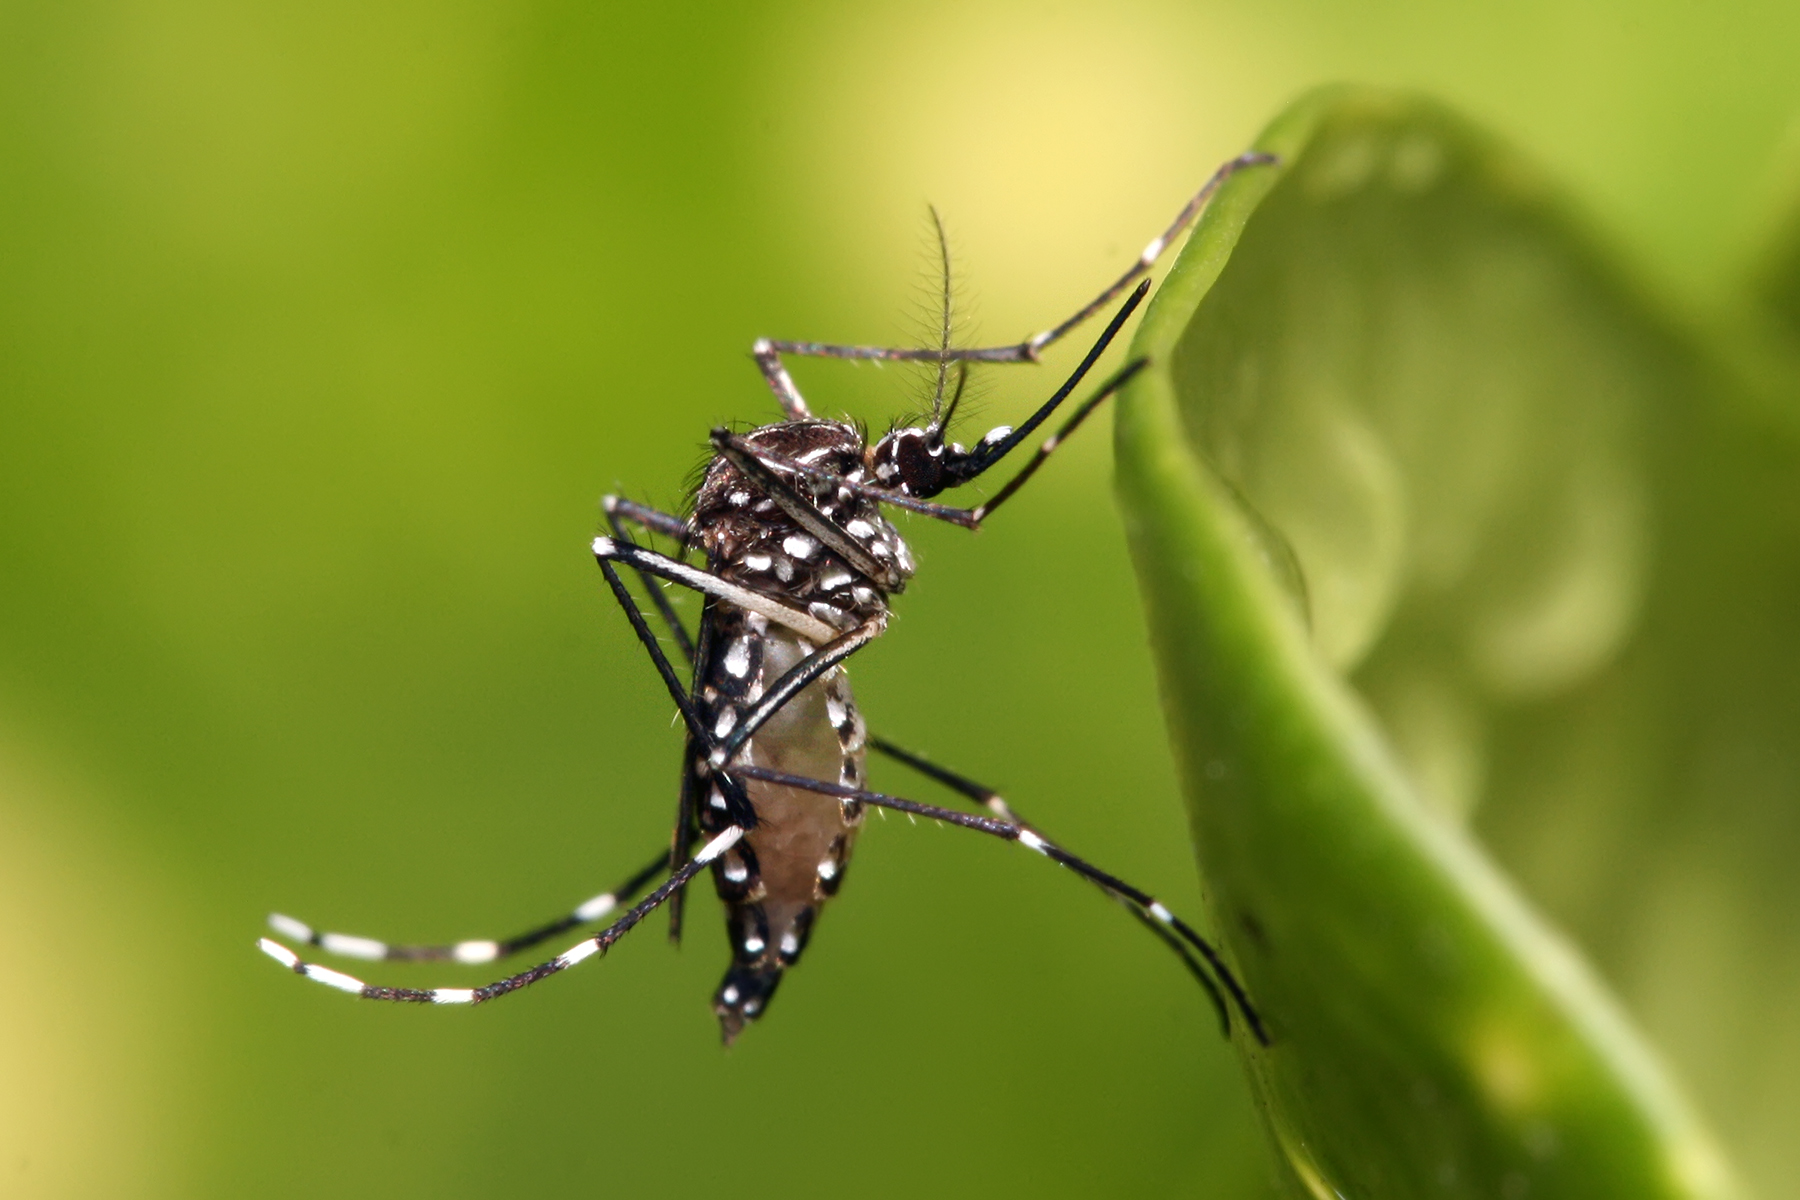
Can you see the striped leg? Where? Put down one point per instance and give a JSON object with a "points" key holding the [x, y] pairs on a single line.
{"points": [[579, 952], [608, 550], [835, 649], [768, 352], [834, 645], [992, 801], [620, 510], [477, 950], [1174, 933], [734, 447], [1012, 832]]}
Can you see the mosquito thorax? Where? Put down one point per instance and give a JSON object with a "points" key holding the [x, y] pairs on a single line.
{"points": [[751, 540], [919, 463]]}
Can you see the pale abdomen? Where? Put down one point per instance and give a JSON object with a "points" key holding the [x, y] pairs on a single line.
{"points": [[776, 880]]}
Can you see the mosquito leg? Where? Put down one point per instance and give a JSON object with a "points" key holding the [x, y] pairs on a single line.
{"points": [[475, 950], [738, 805], [645, 517], [1029, 349], [620, 510], [768, 361], [792, 683], [681, 841], [1124, 376], [681, 838], [580, 951], [1012, 832], [992, 801], [1154, 250], [632, 555], [837, 647], [968, 518]]}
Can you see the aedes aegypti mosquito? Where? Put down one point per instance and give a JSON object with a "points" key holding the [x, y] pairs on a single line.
{"points": [[799, 565]]}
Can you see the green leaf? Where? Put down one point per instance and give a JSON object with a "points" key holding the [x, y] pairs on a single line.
{"points": [[1391, 473]]}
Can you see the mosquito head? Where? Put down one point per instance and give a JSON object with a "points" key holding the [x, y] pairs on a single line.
{"points": [[916, 460], [920, 463]]}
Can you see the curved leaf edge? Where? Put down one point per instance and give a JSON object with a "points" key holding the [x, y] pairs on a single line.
{"points": [[1227, 636]]}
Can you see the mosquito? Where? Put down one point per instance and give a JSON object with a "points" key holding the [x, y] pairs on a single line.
{"points": [[799, 565]]}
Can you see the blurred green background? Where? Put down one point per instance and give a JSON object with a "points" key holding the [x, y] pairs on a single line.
{"points": [[322, 332]]}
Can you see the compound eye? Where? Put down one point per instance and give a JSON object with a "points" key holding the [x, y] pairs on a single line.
{"points": [[921, 463], [907, 460]]}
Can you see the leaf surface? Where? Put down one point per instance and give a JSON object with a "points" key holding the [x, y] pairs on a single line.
{"points": [[1393, 470]]}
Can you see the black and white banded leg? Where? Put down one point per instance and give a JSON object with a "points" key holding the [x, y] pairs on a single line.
{"points": [[612, 549], [991, 800], [620, 510], [685, 829], [1148, 911], [834, 648], [733, 447], [474, 950], [768, 351], [578, 953], [1031, 839]]}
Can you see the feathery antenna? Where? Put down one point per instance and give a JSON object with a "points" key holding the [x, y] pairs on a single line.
{"points": [[943, 366]]}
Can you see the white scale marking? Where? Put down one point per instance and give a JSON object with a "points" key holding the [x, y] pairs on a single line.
{"points": [[737, 658], [349, 946], [453, 996], [598, 907], [579, 952], [726, 723], [799, 545], [835, 711], [712, 585], [790, 944], [331, 978], [833, 582], [718, 798], [1160, 913], [1151, 252], [1028, 838], [729, 995], [475, 951], [860, 528], [998, 433], [736, 871], [738, 499], [278, 952], [828, 869], [758, 562], [720, 844], [753, 945], [286, 926]]}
